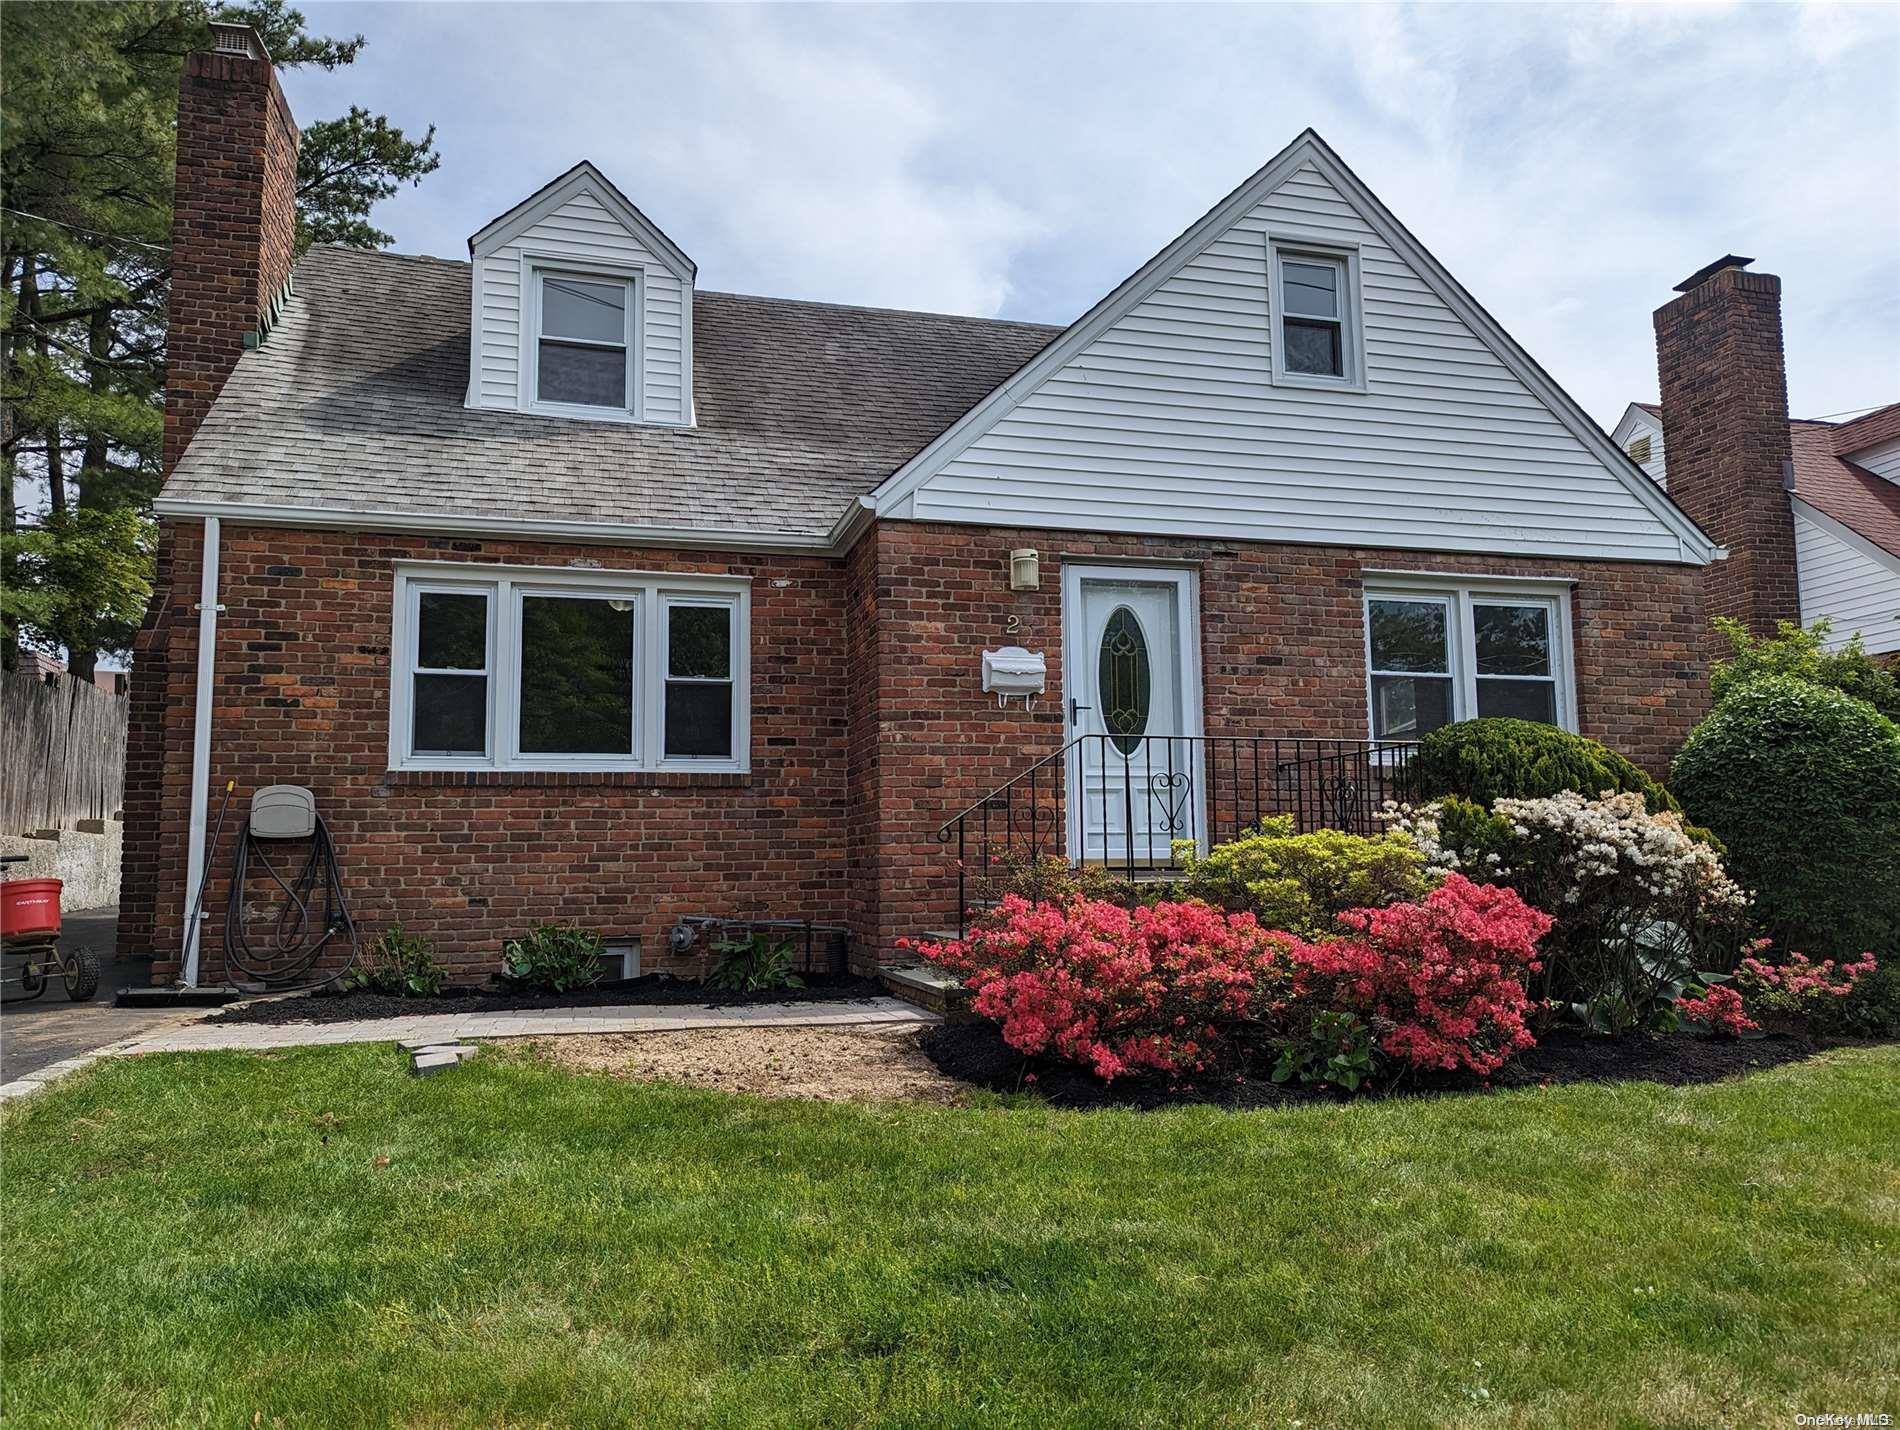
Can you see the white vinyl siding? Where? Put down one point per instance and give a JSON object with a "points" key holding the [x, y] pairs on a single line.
{"points": [[1637, 428], [580, 234], [1883, 460], [1848, 580], [1170, 423]]}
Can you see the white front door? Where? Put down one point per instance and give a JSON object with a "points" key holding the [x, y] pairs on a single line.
{"points": [[1132, 676]]}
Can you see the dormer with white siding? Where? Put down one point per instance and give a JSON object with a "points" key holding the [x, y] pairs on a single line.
{"points": [[582, 309], [1640, 433]]}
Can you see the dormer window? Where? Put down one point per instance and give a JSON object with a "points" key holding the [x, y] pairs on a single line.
{"points": [[1317, 338], [579, 307], [586, 326]]}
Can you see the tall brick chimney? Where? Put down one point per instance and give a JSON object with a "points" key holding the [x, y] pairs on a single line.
{"points": [[1725, 428], [234, 221], [234, 234]]}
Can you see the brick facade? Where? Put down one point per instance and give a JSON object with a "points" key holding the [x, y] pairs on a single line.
{"points": [[1282, 654], [1725, 420], [302, 697], [869, 726]]}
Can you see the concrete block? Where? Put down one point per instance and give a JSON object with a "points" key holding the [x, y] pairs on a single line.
{"points": [[428, 1063]]}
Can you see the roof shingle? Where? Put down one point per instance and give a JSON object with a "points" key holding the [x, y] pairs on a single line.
{"points": [[355, 401]]}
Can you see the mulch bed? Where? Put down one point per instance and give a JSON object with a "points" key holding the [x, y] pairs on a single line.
{"points": [[975, 1053], [651, 988]]}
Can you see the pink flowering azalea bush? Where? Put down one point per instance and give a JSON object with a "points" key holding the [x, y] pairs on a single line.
{"points": [[1800, 988], [1183, 989], [1719, 1010]]}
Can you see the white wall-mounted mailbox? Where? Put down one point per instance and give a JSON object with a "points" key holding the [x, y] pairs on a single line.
{"points": [[1013, 672]]}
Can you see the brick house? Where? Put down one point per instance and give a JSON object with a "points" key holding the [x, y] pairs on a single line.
{"points": [[1808, 510], [577, 591]]}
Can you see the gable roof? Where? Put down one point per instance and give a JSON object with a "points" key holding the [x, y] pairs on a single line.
{"points": [[352, 414], [1307, 148], [1868, 430], [583, 178], [1859, 500]]}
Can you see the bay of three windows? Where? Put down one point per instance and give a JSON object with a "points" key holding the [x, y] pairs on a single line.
{"points": [[520, 673]]}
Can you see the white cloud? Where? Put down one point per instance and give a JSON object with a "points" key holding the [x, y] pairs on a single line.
{"points": [[1568, 163]]}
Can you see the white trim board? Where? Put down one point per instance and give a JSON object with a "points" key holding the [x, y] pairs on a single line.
{"points": [[585, 532], [894, 496], [582, 178], [1846, 535]]}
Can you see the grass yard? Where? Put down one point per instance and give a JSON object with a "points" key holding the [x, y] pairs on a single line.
{"points": [[317, 1237]]}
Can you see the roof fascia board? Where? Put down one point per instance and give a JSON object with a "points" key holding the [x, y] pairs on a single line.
{"points": [[1694, 544], [1846, 535], [582, 178], [1634, 417], [345, 519]]}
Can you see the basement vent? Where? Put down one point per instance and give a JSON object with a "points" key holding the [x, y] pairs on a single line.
{"points": [[1639, 450]]}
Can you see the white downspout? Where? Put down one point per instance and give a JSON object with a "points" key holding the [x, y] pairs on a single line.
{"points": [[208, 609]]}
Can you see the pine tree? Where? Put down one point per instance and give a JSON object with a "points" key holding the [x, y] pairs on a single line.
{"points": [[88, 115]]}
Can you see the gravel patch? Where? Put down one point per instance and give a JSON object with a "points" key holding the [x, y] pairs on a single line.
{"points": [[831, 1064]]}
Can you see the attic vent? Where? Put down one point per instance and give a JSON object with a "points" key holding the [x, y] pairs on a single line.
{"points": [[238, 40], [1639, 450]]}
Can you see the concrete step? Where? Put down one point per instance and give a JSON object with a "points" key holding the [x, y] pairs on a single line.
{"points": [[923, 986]]}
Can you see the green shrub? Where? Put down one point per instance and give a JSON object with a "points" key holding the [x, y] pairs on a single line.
{"points": [[1803, 654], [1872, 1010], [753, 965], [1052, 879], [552, 959], [1643, 908], [399, 965], [1302, 882], [1802, 783], [1489, 759]]}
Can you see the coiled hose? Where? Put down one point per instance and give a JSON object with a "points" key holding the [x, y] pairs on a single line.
{"points": [[307, 920]]}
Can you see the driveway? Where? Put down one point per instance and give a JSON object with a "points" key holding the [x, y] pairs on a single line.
{"points": [[49, 1029]]}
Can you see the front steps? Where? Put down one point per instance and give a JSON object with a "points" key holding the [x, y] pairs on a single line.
{"points": [[925, 986]]}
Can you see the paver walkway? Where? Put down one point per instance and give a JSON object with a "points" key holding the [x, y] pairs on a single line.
{"points": [[188, 1033], [527, 1022], [48, 1030]]}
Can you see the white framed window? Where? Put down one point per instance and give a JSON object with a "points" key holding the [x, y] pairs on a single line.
{"points": [[1439, 651], [552, 669], [582, 348], [1317, 330]]}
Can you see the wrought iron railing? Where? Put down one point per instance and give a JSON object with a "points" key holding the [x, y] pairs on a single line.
{"points": [[1125, 802]]}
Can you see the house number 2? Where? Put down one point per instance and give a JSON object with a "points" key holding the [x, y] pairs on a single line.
{"points": [[1013, 624]]}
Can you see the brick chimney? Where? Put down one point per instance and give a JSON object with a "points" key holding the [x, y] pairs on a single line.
{"points": [[1725, 428], [234, 234], [234, 221]]}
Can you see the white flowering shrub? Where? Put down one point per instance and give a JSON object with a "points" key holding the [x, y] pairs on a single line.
{"points": [[1641, 905]]}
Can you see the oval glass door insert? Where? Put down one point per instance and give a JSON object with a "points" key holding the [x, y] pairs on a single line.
{"points": [[1122, 679]]}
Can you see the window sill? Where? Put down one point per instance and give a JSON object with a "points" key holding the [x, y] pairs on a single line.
{"points": [[571, 779], [1315, 383]]}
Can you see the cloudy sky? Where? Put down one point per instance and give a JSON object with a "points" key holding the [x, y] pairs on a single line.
{"points": [[1568, 164]]}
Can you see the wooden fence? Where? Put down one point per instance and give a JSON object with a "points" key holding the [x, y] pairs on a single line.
{"points": [[62, 753]]}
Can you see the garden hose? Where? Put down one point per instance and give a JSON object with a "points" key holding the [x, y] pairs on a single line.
{"points": [[307, 919]]}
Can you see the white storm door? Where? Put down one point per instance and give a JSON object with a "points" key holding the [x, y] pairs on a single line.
{"points": [[1132, 677]]}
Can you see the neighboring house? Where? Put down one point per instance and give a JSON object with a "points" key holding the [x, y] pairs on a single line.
{"points": [[577, 591], [1809, 510]]}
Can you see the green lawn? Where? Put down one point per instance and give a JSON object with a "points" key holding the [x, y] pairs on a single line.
{"points": [[195, 1239]]}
